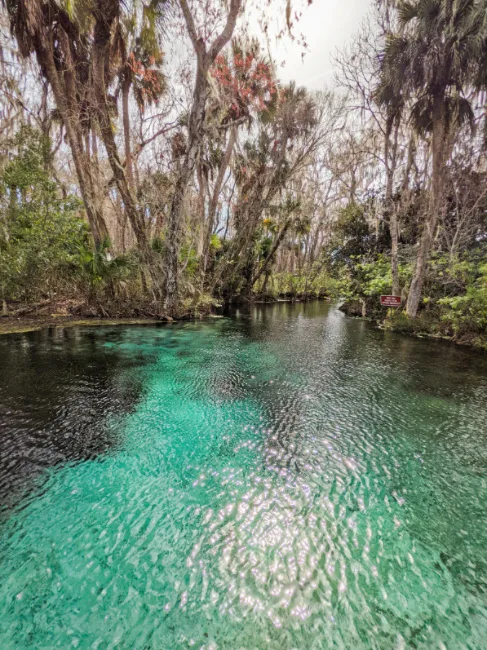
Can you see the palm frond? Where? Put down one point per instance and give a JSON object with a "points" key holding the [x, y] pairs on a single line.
{"points": [[421, 116], [407, 11], [459, 111], [429, 11]]}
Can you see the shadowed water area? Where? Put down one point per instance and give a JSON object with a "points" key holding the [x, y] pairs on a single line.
{"points": [[287, 479]]}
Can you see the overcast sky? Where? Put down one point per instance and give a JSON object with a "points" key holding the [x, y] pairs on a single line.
{"points": [[327, 25]]}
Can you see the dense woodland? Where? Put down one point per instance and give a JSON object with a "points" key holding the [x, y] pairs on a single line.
{"points": [[152, 163]]}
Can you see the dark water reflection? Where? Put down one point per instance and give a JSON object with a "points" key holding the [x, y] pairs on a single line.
{"points": [[60, 394]]}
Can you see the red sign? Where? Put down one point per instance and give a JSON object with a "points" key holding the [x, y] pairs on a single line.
{"points": [[390, 301]]}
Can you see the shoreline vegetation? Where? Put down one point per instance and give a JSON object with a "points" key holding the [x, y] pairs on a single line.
{"points": [[419, 328], [391, 321], [30, 318], [131, 188]]}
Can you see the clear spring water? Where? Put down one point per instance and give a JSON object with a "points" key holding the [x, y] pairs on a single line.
{"points": [[287, 480]]}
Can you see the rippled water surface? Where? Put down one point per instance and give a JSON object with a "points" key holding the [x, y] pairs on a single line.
{"points": [[287, 480]]}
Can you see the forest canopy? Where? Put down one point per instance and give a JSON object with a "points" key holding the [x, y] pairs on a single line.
{"points": [[152, 162]]}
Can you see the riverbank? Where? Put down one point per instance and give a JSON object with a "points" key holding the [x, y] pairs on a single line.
{"points": [[398, 322], [75, 313], [424, 330], [424, 326], [22, 325], [30, 319]]}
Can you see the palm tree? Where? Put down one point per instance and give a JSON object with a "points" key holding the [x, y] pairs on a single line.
{"points": [[243, 87], [76, 45], [289, 130], [433, 61], [206, 54], [138, 56]]}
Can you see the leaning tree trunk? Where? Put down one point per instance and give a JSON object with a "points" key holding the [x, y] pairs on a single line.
{"points": [[272, 253], [436, 204]]}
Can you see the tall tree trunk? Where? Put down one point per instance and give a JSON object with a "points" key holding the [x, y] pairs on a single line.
{"points": [[270, 258], [205, 58], [173, 234], [201, 211], [222, 171], [396, 287], [216, 193], [75, 138], [129, 166], [436, 205], [105, 14], [391, 160]]}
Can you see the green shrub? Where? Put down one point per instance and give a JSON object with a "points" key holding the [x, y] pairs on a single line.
{"points": [[468, 312], [43, 238]]}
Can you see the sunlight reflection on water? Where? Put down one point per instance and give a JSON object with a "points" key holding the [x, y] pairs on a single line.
{"points": [[292, 479]]}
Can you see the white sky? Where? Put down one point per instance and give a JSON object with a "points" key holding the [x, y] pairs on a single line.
{"points": [[326, 25]]}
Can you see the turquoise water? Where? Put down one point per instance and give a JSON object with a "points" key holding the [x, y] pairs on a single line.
{"points": [[288, 479]]}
